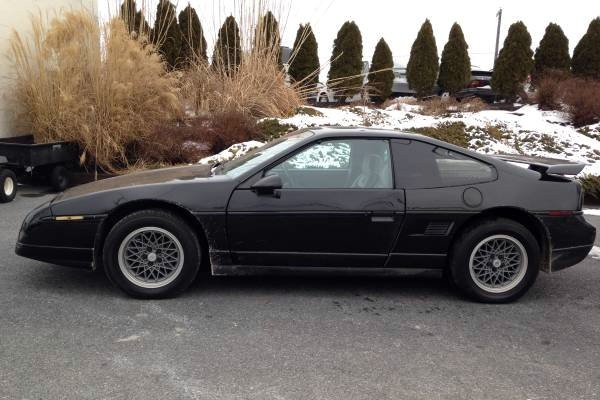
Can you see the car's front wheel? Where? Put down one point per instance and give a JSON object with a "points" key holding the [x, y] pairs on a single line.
{"points": [[152, 254], [495, 261]]}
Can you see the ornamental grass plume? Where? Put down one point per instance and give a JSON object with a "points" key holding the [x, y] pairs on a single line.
{"points": [[90, 83]]}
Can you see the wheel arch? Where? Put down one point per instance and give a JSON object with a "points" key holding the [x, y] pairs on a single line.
{"points": [[522, 216], [137, 205]]}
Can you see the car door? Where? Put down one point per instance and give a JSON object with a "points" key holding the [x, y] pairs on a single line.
{"points": [[337, 208]]}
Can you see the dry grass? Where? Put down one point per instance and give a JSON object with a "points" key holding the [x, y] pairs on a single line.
{"points": [[439, 106], [397, 103], [258, 87], [68, 87]]}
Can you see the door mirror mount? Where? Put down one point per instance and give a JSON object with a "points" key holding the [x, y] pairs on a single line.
{"points": [[267, 185]]}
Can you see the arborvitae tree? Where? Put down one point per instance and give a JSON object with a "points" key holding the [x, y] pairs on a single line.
{"points": [[134, 20], [193, 43], [455, 67], [346, 61], [381, 82], [166, 34], [305, 61], [267, 37], [422, 68], [553, 52], [514, 62], [228, 51], [586, 56]]}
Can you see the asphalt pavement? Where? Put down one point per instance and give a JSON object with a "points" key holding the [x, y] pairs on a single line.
{"points": [[68, 334]]}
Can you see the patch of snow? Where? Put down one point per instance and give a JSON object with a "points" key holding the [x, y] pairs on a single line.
{"points": [[592, 211], [595, 253], [232, 152]]}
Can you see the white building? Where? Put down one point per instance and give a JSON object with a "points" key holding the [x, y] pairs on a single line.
{"points": [[15, 14]]}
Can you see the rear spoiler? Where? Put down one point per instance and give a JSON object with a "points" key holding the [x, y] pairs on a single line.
{"points": [[545, 165]]}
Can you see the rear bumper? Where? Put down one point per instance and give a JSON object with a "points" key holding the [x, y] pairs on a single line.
{"points": [[67, 256], [564, 258], [571, 239]]}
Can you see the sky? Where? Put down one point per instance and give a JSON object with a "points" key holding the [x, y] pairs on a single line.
{"points": [[398, 21]]}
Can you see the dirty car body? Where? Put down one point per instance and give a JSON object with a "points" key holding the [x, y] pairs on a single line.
{"points": [[326, 199]]}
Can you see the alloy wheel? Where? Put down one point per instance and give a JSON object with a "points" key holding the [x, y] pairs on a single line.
{"points": [[498, 263], [150, 257]]}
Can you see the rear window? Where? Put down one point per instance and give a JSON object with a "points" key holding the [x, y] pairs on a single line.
{"points": [[420, 165]]}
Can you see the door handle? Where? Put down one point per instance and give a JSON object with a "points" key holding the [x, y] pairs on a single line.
{"points": [[382, 218]]}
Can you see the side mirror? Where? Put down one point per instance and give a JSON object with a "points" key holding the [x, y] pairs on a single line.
{"points": [[267, 184]]}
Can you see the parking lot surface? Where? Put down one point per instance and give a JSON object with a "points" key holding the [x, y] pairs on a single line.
{"points": [[67, 333]]}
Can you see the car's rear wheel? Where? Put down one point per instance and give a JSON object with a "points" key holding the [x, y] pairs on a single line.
{"points": [[8, 185], [495, 261], [152, 254]]}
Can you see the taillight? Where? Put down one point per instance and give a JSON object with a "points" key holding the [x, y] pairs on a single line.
{"points": [[560, 213]]}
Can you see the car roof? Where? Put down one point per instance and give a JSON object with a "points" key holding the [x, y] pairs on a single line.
{"points": [[359, 131]]}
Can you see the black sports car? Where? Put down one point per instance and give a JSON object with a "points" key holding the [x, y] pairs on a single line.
{"points": [[351, 199]]}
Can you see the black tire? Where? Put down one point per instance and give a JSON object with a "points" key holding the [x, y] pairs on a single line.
{"points": [[8, 186], [184, 274], [464, 277], [59, 178]]}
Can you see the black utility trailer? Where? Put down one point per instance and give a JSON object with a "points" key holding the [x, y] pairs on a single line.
{"points": [[48, 161]]}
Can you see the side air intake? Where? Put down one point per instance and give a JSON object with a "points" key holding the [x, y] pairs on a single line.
{"points": [[438, 228]]}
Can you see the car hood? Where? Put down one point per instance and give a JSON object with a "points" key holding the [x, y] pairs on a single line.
{"points": [[157, 176]]}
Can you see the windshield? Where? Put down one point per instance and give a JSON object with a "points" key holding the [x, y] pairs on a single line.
{"points": [[237, 167]]}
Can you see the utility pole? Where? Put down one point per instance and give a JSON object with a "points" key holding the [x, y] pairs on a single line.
{"points": [[499, 15]]}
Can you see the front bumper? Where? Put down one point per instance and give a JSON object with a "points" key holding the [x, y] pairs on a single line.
{"points": [[62, 242], [67, 256]]}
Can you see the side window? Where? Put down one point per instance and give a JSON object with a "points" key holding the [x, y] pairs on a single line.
{"points": [[338, 164], [421, 165]]}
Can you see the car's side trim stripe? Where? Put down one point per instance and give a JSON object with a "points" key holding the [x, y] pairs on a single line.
{"points": [[40, 246], [312, 253], [236, 269], [549, 213], [419, 254], [438, 211], [304, 212], [573, 247], [341, 254]]}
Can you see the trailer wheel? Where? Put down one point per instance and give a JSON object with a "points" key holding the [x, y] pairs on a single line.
{"points": [[8, 185], [59, 178]]}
